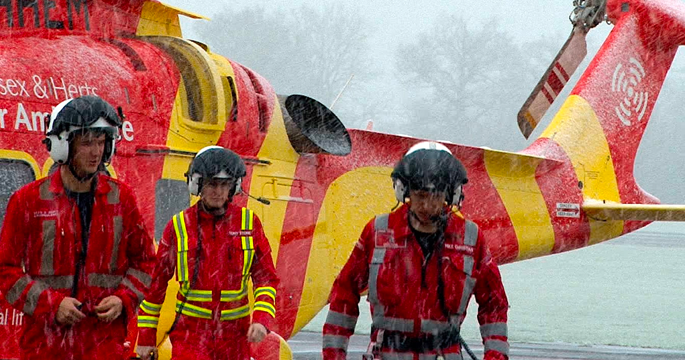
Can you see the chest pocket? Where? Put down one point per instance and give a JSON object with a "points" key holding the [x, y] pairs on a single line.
{"points": [[248, 252], [393, 276], [186, 258], [388, 267]]}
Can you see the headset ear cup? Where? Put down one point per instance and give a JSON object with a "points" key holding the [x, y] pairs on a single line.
{"points": [[400, 190], [58, 148], [109, 152], [194, 184], [238, 188], [458, 196]]}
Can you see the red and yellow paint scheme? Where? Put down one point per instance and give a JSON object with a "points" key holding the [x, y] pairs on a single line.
{"points": [[572, 187]]}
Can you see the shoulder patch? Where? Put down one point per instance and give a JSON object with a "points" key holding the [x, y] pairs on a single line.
{"points": [[386, 239]]}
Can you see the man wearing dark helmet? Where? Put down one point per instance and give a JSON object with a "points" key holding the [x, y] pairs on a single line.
{"points": [[75, 256], [421, 264], [213, 248]]}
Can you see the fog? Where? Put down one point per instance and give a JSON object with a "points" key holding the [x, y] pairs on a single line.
{"points": [[375, 59]]}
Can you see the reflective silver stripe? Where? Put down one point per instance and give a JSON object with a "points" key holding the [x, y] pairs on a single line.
{"points": [[335, 342], [470, 239], [470, 233], [469, 284], [118, 229], [151, 308], [393, 324], [468, 264], [192, 310], [44, 190], [267, 290], [232, 295], [343, 320], [433, 326], [17, 289], [381, 222], [496, 345], [32, 297], [57, 282], [47, 266], [104, 280], [428, 356], [139, 294], [396, 356], [450, 356], [237, 313], [144, 278], [494, 329], [247, 219], [181, 247], [113, 194], [147, 322], [376, 261], [248, 254], [197, 295]]}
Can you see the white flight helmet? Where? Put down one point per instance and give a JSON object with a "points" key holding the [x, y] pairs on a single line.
{"points": [[431, 166]]}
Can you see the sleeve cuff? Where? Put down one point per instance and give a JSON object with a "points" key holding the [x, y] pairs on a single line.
{"points": [[130, 309], [263, 318], [147, 337], [54, 299]]}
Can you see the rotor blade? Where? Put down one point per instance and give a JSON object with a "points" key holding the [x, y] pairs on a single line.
{"points": [[553, 81]]}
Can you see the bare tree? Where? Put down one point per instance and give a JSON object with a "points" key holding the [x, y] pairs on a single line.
{"points": [[306, 51], [468, 84]]}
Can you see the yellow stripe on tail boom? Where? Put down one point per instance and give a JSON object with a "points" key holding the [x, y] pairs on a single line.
{"points": [[604, 211]]}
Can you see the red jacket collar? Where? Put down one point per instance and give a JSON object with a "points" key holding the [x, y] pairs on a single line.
{"points": [[57, 186], [231, 209]]}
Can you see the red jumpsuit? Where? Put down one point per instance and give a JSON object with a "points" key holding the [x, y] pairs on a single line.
{"points": [[39, 247], [404, 292], [213, 275]]}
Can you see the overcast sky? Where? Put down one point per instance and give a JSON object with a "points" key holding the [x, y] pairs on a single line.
{"points": [[397, 22]]}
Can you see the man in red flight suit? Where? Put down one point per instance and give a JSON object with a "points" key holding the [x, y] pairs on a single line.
{"points": [[75, 256], [421, 264], [213, 248]]}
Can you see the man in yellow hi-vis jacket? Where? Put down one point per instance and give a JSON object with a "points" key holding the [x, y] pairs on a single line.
{"points": [[213, 248]]}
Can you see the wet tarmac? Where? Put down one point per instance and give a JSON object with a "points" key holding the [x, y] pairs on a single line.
{"points": [[307, 346]]}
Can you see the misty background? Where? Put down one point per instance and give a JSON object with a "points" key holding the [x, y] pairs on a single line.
{"points": [[460, 71], [440, 69]]}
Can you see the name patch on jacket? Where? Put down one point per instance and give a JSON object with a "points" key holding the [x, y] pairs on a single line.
{"points": [[45, 214], [240, 233], [386, 239], [459, 247]]}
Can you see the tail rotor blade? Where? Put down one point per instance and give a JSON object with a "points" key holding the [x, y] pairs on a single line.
{"points": [[553, 81]]}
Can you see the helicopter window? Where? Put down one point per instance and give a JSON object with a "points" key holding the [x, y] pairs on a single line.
{"points": [[13, 175], [171, 196], [202, 106], [234, 102]]}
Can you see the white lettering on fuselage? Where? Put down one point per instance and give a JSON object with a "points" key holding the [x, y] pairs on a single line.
{"points": [[40, 91], [2, 118]]}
